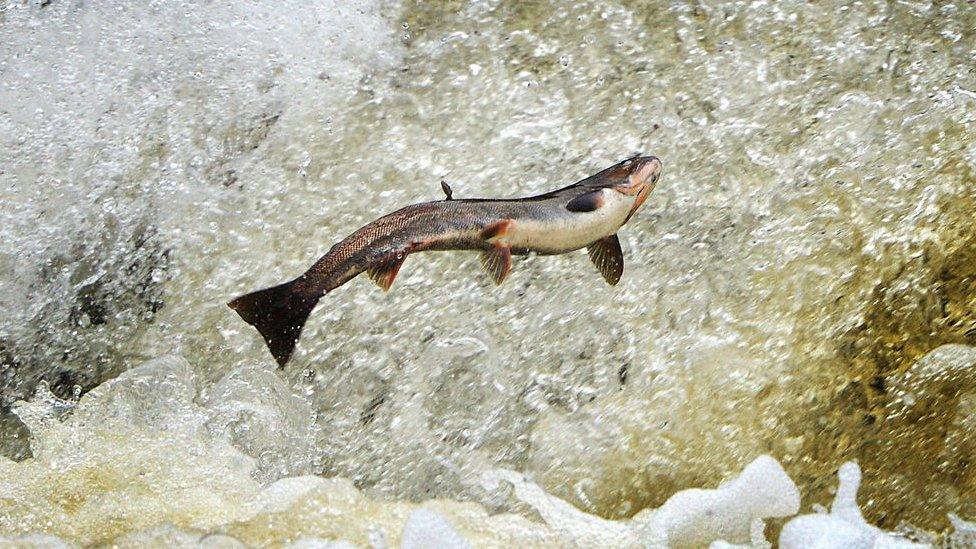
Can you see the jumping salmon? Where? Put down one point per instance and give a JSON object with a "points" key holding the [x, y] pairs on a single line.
{"points": [[585, 214]]}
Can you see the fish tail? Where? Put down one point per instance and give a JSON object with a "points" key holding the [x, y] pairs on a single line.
{"points": [[279, 313]]}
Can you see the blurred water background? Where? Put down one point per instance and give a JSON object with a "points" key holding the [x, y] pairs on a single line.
{"points": [[801, 283]]}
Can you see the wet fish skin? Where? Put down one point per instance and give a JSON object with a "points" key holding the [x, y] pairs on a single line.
{"points": [[585, 214]]}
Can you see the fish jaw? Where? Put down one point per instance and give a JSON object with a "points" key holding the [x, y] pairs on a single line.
{"points": [[644, 173]]}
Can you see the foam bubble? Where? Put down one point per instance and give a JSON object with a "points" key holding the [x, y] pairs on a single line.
{"points": [[697, 517], [844, 525], [427, 529]]}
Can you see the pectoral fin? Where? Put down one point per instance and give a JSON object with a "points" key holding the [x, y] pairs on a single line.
{"points": [[382, 274], [587, 202], [606, 255], [497, 262]]}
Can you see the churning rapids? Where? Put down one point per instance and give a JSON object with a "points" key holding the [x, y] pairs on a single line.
{"points": [[795, 327]]}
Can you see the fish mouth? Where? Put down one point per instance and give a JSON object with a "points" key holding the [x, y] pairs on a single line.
{"points": [[643, 176]]}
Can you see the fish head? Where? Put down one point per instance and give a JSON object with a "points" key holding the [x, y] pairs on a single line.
{"points": [[634, 177]]}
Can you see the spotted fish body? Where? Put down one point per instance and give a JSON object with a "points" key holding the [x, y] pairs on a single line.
{"points": [[586, 214]]}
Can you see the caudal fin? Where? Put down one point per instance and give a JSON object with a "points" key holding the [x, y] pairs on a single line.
{"points": [[279, 313]]}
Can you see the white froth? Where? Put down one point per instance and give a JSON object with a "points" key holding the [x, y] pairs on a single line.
{"points": [[426, 529], [696, 517], [844, 526], [135, 462]]}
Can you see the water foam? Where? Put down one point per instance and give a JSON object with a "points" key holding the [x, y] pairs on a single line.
{"points": [[137, 462]]}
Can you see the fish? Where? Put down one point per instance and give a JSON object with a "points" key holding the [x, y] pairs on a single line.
{"points": [[586, 214]]}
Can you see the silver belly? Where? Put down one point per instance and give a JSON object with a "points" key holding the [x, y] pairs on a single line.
{"points": [[568, 231]]}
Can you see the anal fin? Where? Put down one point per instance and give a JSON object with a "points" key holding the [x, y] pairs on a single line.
{"points": [[606, 255], [384, 273], [497, 261]]}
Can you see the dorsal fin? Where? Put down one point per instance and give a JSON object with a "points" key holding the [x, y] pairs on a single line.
{"points": [[384, 272], [497, 261], [448, 192], [606, 255], [586, 202]]}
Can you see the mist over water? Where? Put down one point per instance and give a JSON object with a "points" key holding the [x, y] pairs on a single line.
{"points": [[802, 282]]}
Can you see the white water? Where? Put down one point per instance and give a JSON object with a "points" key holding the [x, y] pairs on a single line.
{"points": [[140, 455], [807, 243]]}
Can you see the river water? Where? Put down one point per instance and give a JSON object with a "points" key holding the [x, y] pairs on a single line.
{"points": [[802, 282]]}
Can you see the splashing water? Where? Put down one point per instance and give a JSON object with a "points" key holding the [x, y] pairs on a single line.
{"points": [[802, 283], [137, 461]]}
